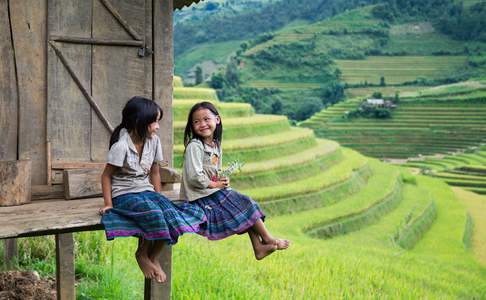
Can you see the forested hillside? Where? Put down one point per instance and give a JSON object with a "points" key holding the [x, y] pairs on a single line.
{"points": [[307, 65]]}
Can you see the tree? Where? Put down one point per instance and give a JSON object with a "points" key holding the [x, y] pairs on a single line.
{"points": [[199, 75], [382, 81], [277, 107], [377, 95]]}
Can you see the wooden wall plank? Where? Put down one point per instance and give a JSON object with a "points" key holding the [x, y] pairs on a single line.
{"points": [[8, 89], [164, 71], [68, 112], [118, 72], [29, 19]]}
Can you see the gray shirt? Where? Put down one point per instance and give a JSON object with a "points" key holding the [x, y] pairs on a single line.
{"points": [[201, 165], [132, 176]]}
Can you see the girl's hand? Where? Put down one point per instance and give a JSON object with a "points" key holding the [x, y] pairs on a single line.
{"points": [[220, 184], [104, 209], [225, 181]]}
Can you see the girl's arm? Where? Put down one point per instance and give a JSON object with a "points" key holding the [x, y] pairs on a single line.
{"points": [[155, 177], [106, 187]]}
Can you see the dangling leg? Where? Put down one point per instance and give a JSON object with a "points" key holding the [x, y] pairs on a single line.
{"points": [[147, 267], [267, 238], [261, 250], [153, 255]]}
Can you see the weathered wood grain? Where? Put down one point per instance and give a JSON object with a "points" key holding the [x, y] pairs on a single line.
{"points": [[65, 267], [82, 183], [91, 41], [15, 186], [69, 114], [11, 253], [121, 20], [163, 72], [28, 19], [162, 93], [54, 216], [169, 175], [44, 192], [8, 89], [118, 72]]}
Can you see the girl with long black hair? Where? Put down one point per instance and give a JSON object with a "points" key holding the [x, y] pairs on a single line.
{"points": [[131, 189]]}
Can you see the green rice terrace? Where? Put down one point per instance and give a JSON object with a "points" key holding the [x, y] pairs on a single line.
{"points": [[360, 228], [464, 170], [443, 119]]}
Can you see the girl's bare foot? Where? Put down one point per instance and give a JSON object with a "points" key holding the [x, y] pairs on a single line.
{"points": [[280, 243], [160, 276], [147, 267], [264, 250]]}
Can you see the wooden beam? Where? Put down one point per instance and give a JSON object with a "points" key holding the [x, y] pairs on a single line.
{"points": [[65, 267], [93, 41], [76, 165]]}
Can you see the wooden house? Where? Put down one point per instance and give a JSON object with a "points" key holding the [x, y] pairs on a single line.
{"points": [[67, 67]]}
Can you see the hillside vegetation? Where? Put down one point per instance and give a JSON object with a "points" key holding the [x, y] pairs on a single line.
{"points": [[306, 66]]}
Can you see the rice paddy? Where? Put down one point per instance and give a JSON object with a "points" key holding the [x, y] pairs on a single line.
{"points": [[399, 69]]}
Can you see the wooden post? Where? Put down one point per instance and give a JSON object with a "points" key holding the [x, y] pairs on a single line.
{"points": [[163, 62], [154, 290], [65, 267], [11, 253]]}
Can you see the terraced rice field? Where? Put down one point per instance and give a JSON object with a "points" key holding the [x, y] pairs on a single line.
{"points": [[452, 120], [360, 229], [464, 170], [398, 69]]}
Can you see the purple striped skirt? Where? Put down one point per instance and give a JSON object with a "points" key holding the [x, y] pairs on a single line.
{"points": [[152, 216], [227, 212]]}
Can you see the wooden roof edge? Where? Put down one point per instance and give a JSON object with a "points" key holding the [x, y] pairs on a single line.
{"points": [[178, 4]]}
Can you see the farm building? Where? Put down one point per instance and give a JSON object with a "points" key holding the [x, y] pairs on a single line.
{"points": [[66, 70]]}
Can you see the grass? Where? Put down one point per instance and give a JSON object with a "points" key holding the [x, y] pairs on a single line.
{"points": [[334, 175], [356, 220], [288, 168], [181, 108], [259, 84], [235, 128], [398, 69], [476, 206], [387, 91], [204, 94]]}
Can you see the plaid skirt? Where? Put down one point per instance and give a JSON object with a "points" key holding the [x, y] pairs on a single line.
{"points": [[151, 216], [227, 212]]}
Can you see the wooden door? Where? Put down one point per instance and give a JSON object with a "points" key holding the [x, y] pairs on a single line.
{"points": [[99, 55]]}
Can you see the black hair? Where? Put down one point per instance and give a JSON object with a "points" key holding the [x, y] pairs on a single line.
{"points": [[138, 114], [189, 133]]}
